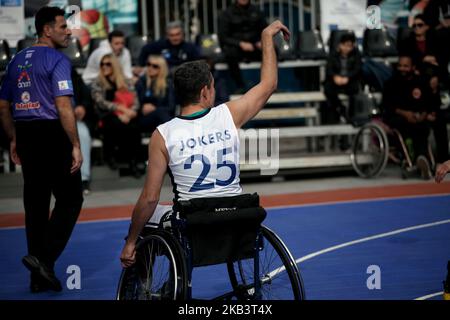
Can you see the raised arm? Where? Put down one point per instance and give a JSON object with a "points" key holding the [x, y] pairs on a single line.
{"points": [[246, 107]]}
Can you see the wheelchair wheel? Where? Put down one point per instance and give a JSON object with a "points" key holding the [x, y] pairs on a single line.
{"points": [[279, 277], [370, 151], [159, 272]]}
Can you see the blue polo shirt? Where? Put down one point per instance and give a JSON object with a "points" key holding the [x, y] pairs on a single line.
{"points": [[34, 78]]}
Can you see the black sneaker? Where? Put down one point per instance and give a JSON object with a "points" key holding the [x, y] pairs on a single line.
{"points": [[48, 276], [424, 167], [37, 284]]}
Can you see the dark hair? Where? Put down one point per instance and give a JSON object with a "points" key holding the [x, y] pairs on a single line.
{"points": [[347, 37], [189, 79], [46, 15], [421, 16], [115, 33]]}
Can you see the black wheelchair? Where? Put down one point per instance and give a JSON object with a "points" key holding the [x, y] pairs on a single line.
{"points": [[375, 144], [209, 231]]}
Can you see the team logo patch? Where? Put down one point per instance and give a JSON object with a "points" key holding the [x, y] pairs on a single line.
{"points": [[25, 97], [24, 80], [64, 85]]}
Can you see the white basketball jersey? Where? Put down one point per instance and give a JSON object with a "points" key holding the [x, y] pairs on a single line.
{"points": [[203, 154]]}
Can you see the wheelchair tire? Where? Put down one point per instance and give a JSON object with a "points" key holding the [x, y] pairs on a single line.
{"points": [[370, 151], [159, 254], [280, 278]]}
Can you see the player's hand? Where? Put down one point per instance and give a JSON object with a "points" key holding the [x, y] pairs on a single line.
{"points": [[128, 255], [12, 150], [275, 27], [442, 171], [77, 160], [246, 46], [80, 112]]}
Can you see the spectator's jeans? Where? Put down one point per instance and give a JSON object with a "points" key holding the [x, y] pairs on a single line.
{"points": [[233, 55], [85, 142], [335, 106]]}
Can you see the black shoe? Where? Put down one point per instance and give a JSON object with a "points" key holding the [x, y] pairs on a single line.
{"points": [[37, 284], [48, 276], [424, 167]]}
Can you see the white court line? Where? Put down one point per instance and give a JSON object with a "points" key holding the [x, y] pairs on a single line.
{"points": [[430, 296], [350, 243]]}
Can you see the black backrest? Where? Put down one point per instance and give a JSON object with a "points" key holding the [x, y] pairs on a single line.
{"points": [[378, 43], [75, 53], [5, 54], [403, 34], [135, 43], [310, 45], [335, 37], [221, 229], [25, 43]]}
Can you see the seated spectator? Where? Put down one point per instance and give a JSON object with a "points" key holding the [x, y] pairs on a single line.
{"points": [[85, 122], [117, 106], [405, 102], [155, 95], [421, 45], [220, 85], [240, 27], [116, 45], [173, 48], [342, 76], [436, 117]]}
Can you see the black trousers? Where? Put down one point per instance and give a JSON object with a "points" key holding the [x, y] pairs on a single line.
{"points": [[121, 141], [46, 156], [439, 127], [335, 108], [233, 55], [417, 132]]}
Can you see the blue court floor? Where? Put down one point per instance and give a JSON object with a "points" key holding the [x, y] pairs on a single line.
{"points": [[407, 238]]}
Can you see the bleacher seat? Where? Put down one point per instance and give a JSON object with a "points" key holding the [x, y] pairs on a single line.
{"points": [[5, 54], [135, 43], [209, 47], [378, 43], [335, 36], [25, 43], [75, 53], [285, 50], [310, 45]]}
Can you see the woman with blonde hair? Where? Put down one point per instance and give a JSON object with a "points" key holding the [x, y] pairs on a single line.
{"points": [[117, 105], [155, 95]]}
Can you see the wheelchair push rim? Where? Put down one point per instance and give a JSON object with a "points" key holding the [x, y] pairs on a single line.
{"points": [[370, 151], [159, 272]]}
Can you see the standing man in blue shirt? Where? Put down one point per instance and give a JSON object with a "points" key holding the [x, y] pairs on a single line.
{"points": [[37, 114]]}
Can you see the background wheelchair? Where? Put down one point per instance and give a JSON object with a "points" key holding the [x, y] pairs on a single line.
{"points": [[375, 143], [212, 231]]}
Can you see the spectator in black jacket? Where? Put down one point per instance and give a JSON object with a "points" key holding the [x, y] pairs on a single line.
{"points": [[421, 45], [406, 99], [342, 76], [240, 27], [156, 96], [173, 48]]}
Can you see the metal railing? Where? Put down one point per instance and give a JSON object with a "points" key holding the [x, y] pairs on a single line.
{"points": [[201, 16]]}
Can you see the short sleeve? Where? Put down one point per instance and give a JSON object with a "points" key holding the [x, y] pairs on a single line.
{"points": [[61, 78], [5, 88]]}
